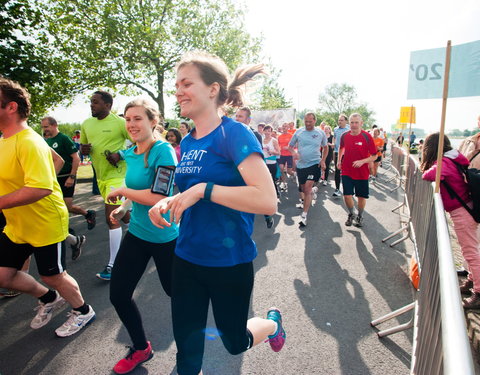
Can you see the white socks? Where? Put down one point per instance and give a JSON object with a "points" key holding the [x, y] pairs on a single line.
{"points": [[71, 239], [115, 236]]}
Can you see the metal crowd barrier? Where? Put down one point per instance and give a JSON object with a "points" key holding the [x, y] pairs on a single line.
{"points": [[398, 164], [441, 344], [401, 167]]}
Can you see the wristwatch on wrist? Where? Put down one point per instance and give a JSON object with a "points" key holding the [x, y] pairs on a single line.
{"points": [[74, 176]]}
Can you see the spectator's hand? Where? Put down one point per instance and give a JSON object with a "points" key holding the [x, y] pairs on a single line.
{"points": [[117, 214], [85, 149], [113, 158], [115, 195]]}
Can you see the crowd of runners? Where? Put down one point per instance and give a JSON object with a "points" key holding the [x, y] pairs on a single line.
{"points": [[160, 186]]}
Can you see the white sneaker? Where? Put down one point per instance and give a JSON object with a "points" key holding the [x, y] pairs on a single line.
{"points": [[75, 322], [45, 311], [303, 221], [299, 205], [324, 183], [314, 190], [337, 193]]}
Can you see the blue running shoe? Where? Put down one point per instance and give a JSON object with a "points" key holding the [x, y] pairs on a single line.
{"points": [[106, 274], [278, 339]]}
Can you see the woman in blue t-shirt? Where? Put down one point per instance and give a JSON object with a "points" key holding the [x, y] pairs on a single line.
{"points": [[223, 182], [143, 240]]}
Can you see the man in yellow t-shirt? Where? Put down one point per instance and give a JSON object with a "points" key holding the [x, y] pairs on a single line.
{"points": [[36, 216], [104, 134]]}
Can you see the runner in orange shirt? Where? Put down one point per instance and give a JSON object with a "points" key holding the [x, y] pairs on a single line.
{"points": [[379, 142], [286, 159]]}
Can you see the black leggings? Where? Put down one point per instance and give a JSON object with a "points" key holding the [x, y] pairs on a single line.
{"points": [[327, 164], [272, 168], [337, 172], [130, 264], [193, 287]]}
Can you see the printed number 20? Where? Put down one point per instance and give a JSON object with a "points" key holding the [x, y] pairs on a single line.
{"points": [[421, 72]]}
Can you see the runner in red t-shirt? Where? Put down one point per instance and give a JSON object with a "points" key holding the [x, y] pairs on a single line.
{"points": [[357, 149]]}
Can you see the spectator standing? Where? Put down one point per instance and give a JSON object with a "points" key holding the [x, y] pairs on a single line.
{"points": [[463, 223], [470, 147]]}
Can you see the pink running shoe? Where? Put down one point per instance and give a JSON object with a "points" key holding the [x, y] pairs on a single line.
{"points": [[133, 359], [278, 339]]}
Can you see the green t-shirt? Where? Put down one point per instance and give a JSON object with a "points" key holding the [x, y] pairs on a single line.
{"points": [[106, 134], [64, 147]]}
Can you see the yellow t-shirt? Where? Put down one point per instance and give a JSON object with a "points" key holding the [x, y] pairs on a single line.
{"points": [[106, 134], [26, 160]]}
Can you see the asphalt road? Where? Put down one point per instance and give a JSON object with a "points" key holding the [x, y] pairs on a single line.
{"points": [[329, 280]]}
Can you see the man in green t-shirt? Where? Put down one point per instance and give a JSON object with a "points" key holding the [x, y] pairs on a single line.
{"points": [[67, 176], [101, 135]]}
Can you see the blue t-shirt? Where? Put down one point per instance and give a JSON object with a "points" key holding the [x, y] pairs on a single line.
{"points": [[337, 133], [211, 234], [139, 178], [309, 143]]}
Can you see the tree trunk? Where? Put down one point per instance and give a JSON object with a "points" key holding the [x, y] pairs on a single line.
{"points": [[159, 98]]}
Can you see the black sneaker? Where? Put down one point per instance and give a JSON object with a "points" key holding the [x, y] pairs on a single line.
{"points": [[359, 221], [349, 221], [77, 248], [91, 218]]}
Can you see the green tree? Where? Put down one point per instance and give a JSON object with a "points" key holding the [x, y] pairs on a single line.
{"points": [[271, 95], [467, 133], [133, 45], [30, 60], [337, 98], [341, 98]]}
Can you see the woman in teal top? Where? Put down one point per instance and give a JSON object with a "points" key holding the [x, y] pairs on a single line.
{"points": [[143, 240]]}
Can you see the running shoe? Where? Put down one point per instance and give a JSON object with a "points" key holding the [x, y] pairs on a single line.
{"points": [[75, 322], [91, 218], [325, 183], [8, 293], [349, 221], [299, 205], [77, 248], [106, 274], [303, 220], [277, 340], [269, 220], [337, 193], [359, 221], [133, 359], [45, 311]]}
